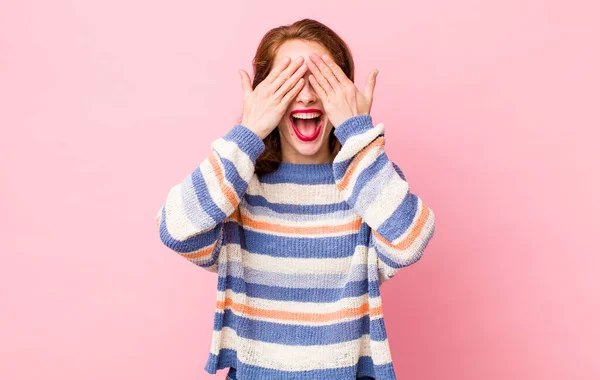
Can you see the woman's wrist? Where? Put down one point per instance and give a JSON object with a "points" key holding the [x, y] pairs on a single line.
{"points": [[257, 131]]}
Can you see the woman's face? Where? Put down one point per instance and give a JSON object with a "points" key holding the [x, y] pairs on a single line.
{"points": [[304, 141]]}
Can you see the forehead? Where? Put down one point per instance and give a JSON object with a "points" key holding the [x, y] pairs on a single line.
{"points": [[297, 48]]}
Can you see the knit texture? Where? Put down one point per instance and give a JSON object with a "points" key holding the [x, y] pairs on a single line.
{"points": [[301, 253]]}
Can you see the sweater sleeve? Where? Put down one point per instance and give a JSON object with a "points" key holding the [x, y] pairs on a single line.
{"points": [[376, 189], [192, 219]]}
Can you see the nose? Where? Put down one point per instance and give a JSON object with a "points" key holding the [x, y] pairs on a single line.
{"points": [[307, 94]]}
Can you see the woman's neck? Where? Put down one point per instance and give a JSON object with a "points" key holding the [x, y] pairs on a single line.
{"points": [[318, 158]]}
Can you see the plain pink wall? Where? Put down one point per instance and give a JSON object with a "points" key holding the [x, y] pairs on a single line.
{"points": [[491, 109]]}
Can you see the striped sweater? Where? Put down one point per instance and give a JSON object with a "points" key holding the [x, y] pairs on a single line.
{"points": [[300, 253]]}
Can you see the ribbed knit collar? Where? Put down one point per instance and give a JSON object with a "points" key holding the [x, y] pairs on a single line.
{"points": [[301, 173]]}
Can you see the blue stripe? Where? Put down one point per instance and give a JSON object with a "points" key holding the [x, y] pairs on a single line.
{"points": [[399, 171], [401, 218], [279, 293], [204, 197], [353, 126], [247, 141], [233, 176], [340, 168], [300, 174], [259, 200], [301, 247]]}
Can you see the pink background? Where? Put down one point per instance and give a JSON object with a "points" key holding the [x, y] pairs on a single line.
{"points": [[491, 110]]}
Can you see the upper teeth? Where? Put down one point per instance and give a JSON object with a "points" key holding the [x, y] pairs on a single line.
{"points": [[306, 115]]}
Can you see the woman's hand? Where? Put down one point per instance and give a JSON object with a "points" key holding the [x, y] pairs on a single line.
{"points": [[267, 103], [340, 97]]}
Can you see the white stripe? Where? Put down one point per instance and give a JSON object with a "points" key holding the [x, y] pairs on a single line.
{"points": [[264, 212], [305, 358], [364, 162], [225, 338], [178, 225], [388, 200], [301, 358], [296, 194], [231, 151], [355, 143]]}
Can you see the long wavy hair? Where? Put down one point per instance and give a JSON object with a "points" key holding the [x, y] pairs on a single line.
{"points": [[306, 29]]}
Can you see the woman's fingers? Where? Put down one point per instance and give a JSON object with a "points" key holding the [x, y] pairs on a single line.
{"points": [[286, 74], [320, 79], [370, 86], [246, 85], [291, 82], [317, 87], [293, 92], [275, 71], [323, 74], [337, 71]]}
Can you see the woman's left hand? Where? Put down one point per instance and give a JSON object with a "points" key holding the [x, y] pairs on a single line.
{"points": [[340, 97]]}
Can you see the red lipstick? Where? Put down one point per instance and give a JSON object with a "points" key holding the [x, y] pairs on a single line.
{"points": [[317, 131], [306, 110]]}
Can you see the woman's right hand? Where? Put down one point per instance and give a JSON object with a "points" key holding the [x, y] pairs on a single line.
{"points": [[267, 103]]}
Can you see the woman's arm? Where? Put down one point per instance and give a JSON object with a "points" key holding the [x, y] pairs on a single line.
{"points": [[192, 218], [376, 189]]}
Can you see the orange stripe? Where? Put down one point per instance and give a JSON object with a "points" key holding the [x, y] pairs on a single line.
{"points": [[225, 189], [206, 251], [414, 233], [299, 316], [351, 226], [352, 167], [236, 215]]}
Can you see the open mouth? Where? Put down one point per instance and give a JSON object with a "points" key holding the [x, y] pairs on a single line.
{"points": [[307, 126]]}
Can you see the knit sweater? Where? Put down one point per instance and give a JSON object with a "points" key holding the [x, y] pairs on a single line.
{"points": [[301, 253]]}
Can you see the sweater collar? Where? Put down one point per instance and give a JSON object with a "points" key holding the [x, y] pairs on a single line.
{"points": [[310, 174]]}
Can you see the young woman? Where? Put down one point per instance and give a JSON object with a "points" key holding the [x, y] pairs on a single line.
{"points": [[302, 215]]}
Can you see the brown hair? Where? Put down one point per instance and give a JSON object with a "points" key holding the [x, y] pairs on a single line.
{"points": [[306, 29]]}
